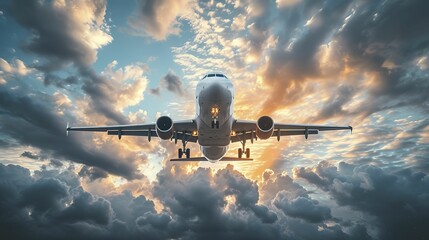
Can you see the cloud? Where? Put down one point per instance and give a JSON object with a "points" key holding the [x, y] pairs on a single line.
{"points": [[172, 83], [360, 37], [293, 61], [30, 155], [158, 19], [18, 67], [92, 173], [302, 207], [115, 89], [9, 70], [48, 207], [32, 121], [196, 204], [398, 200], [335, 105], [63, 32], [52, 79]]}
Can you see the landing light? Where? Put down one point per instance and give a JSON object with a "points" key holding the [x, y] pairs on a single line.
{"points": [[215, 112], [195, 133], [233, 133]]}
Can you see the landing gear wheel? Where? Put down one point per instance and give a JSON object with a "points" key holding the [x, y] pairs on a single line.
{"points": [[240, 153], [188, 153], [180, 153], [247, 153]]}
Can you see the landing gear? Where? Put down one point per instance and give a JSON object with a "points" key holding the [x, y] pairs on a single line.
{"points": [[184, 151], [180, 153], [243, 149], [215, 123], [188, 153]]}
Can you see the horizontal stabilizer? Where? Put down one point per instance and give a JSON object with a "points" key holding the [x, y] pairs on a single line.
{"points": [[199, 159]]}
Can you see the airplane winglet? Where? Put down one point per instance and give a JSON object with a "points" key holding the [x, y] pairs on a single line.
{"points": [[351, 129], [67, 129]]}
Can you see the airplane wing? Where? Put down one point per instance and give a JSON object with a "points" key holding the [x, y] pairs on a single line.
{"points": [[182, 129], [245, 130]]}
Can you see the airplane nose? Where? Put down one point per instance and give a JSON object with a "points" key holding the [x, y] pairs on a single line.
{"points": [[215, 91]]}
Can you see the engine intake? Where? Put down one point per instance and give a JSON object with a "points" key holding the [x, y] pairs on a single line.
{"points": [[264, 127], [164, 127]]}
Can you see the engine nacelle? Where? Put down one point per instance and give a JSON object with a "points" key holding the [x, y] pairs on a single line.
{"points": [[264, 127], [164, 127]]}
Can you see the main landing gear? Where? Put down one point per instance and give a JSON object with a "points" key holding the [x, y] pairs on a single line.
{"points": [[215, 123], [243, 150], [184, 150]]}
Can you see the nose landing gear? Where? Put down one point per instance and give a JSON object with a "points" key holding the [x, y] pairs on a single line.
{"points": [[215, 123]]}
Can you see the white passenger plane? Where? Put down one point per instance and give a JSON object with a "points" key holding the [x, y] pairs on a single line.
{"points": [[214, 126]]}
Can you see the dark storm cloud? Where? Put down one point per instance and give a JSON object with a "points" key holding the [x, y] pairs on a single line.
{"points": [[381, 38], [172, 83], [302, 207], [201, 196], [60, 39], [288, 68], [392, 32], [92, 173], [102, 94], [31, 121], [51, 79], [398, 200], [48, 208], [52, 205], [334, 106], [30, 155], [55, 33], [55, 163]]}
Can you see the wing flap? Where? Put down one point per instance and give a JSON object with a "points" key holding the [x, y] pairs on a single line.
{"points": [[248, 135], [132, 133], [311, 126], [113, 127]]}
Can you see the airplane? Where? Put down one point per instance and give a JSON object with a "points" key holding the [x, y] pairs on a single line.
{"points": [[214, 126]]}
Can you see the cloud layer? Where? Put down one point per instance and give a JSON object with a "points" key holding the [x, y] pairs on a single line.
{"points": [[362, 63], [222, 204]]}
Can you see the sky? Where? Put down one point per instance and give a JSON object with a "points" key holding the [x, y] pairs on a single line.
{"points": [[353, 62]]}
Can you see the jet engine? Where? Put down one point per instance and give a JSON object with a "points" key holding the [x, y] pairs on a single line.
{"points": [[164, 127], [264, 127]]}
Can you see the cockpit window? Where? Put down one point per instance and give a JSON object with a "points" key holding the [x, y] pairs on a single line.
{"points": [[215, 75]]}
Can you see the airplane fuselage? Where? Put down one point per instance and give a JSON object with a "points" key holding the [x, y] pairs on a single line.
{"points": [[214, 115]]}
